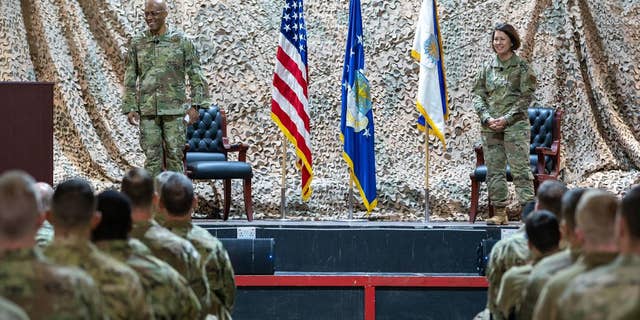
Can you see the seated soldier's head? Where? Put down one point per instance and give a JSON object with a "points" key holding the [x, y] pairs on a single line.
{"points": [[137, 184], [19, 212], [595, 220], [543, 232], [116, 217], [628, 222], [73, 207], [568, 218], [45, 194], [177, 197], [160, 180], [549, 196]]}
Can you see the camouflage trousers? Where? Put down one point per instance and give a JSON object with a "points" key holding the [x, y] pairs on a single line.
{"points": [[510, 146], [162, 139]]}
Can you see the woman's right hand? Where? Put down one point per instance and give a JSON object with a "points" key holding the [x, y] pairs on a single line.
{"points": [[497, 124]]}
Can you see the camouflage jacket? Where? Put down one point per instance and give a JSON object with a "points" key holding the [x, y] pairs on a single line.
{"points": [[547, 304], [124, 297], [504, 89], [216, 263], [155, 72], [610, 292], [543, 271], [170, 295], [511, 296], [48, 291], [177, 252], [505, 254], [10, 311], [45, 234]]}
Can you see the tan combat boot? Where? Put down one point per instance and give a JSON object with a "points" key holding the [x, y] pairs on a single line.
{"points": [[499, 218]]}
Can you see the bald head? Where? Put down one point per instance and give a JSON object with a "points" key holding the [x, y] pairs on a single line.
{"points": [[156, 4], [160, 180], [595, 217], [45, 194], [155, 15], [18, 206]]}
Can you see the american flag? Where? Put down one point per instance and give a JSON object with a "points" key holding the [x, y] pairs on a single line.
{"points": [[289, 102]]}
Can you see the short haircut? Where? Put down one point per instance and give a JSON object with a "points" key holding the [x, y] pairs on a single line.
{"points": [[630, 210], [569, 203], [596, 215], [18, 205], [45, 194], [74, 204], [160, 180], [511, 33], [177, 195], [549, 196], [116, 217], [543, 230], [137, 184]]}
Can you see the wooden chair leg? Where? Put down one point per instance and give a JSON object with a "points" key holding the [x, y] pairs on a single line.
{"points": [[227, 198], [475, 194], [248, 204]]}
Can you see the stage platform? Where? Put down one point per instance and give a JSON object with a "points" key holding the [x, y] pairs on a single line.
{"points": [[360, 269]]}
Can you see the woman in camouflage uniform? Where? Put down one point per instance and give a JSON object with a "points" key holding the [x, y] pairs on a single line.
{"points": [[503, 90]]}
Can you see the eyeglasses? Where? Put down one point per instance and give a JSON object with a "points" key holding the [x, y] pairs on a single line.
{"points": [[153, 13]]}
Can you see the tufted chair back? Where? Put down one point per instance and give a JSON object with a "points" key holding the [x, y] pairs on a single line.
{"points": [[542, 135], [205, 137]]}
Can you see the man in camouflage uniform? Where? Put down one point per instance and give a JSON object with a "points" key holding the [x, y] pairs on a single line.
{"points": [[73, 215], [42, 289], [10, 311], [177, 201], [155, 96], [595, 221], [170, 295], [611, 291], [503, 90], [166, 246], [543, 234], [553, 264], [45, 233], [514, 250]]}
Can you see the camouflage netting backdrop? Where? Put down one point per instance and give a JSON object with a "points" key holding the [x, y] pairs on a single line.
{"points": [[586, 54]]}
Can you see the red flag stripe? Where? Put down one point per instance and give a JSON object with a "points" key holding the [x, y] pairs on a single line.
{"points": [[293, 100]]}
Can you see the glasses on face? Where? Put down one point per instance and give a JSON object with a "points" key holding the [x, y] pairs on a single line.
{"points": [[153, 13]]}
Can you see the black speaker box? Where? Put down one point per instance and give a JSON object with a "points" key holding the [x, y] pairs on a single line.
{"points": [[251, 256]]}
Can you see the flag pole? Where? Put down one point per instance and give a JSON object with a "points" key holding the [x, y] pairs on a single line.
{"points": [[283, 186], [350, 195], [426, 175]]}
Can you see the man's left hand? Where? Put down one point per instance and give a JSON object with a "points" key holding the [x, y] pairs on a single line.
{"points": [[194, 115]]}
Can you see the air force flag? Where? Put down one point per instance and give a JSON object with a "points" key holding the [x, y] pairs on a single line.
{"points": [[356, 124]]}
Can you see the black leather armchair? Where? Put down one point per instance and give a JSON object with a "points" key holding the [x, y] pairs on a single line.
{"points": [[205, 156], [544, 154]]}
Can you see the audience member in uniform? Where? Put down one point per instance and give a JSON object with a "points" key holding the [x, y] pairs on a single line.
{"points": [[177, 202], [137, 184], [74, 215], [514, 250], [42, 289], [168, 291], [543, 234], [595, 221], [550, 265], [613, 290], [44, 236]]}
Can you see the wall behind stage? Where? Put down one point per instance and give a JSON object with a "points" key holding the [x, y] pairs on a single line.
{"points": [[586, 55]]}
